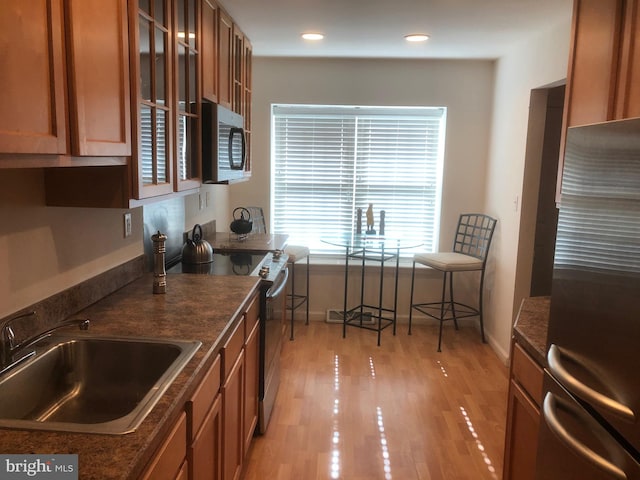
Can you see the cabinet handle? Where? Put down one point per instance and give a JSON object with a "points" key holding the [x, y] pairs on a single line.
{"points": [[549, 408], [583, 391]]}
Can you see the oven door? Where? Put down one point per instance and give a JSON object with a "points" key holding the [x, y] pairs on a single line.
{"points": [[271, 345]]}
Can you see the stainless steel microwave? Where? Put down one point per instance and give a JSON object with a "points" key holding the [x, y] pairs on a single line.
{"points": [[223, 145]]}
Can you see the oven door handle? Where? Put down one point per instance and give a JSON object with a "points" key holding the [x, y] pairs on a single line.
{"points": [[281, 286]]}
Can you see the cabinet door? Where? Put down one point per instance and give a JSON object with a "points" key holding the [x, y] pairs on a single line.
{"points": [[209, 50], [32, 86], [206, 450], [590, 96], [150, 24], [523, 422], [187, 87], [252, 358], [98, 77], [225, 59], [628, 99], [169, 460], [593, 62], [232, 408]]}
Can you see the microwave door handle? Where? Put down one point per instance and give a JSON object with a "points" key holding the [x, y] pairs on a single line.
{"points": [[595, 398], [549, 407], [232, 133]]}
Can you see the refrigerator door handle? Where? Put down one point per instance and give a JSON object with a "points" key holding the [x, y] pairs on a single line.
{"points": [[595, 398], [549, 407]]}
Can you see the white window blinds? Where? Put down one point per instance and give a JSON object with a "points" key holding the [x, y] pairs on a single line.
{"points": [[329, 161]]}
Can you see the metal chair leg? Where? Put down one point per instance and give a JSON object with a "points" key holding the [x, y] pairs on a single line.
{"points": [[307, 297], [413, 275], [293, 298]]}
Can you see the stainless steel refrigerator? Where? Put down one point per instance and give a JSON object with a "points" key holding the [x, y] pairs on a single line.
{"points": [[590, 426]]}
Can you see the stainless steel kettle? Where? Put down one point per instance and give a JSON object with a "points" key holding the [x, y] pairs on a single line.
{"points": [[197, 250]]}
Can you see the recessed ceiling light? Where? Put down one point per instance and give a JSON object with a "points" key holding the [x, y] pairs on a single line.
{"points": [[416, 37], [312, 36]]}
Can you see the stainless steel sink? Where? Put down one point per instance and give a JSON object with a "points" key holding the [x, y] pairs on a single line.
{"points": [[90, 384]]}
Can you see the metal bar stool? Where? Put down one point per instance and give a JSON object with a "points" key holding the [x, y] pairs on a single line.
{"points": [[470, 249], [296, 300]]}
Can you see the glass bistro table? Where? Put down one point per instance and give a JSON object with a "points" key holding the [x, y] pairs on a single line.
{"points": [[381, 250]]}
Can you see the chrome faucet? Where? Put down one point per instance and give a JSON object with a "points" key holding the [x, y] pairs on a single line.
{"points": [[8, 347]]}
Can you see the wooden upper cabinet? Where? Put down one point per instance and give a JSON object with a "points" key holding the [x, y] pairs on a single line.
{"points": [[209, 51], [593, 61], [628, 97], [83, 113], [98, 73], [225, 59], [32, 88]]}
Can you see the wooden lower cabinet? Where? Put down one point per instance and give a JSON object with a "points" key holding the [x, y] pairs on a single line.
{"points": [[214, 432], [523, 416], [232, 437], [205, 439], [170, 459]]}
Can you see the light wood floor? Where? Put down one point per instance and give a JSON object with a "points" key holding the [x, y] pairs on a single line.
{"points": [[348, 409]]}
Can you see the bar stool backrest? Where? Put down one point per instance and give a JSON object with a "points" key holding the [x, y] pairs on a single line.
{"points": [[474, 234]]}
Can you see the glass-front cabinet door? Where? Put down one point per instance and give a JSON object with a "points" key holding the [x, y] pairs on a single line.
{"points": [[165, 157], [152, 159], [187, 116]]}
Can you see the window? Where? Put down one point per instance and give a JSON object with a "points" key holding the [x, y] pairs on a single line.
{"points": [[328, 161]]}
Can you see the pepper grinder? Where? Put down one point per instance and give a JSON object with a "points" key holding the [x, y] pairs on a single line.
{"points": [[159, 274]]}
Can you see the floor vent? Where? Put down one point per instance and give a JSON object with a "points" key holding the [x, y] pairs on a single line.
{"points": [[335, 316]]}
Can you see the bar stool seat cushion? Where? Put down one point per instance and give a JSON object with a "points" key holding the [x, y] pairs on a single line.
{"points": [[296, 252], [449, 261]]}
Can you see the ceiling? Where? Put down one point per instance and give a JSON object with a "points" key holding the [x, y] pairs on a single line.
{"points": [[480, 29]]}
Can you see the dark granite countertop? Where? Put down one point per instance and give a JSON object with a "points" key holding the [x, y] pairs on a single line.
{"points": [[195, 307], [530, 329]]}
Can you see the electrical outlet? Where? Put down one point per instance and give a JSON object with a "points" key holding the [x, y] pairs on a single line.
{"points": [[207, 198], [127, 225], [200, 201]]}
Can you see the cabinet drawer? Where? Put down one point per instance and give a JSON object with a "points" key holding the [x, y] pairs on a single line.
{"points": [[171, 454], [251, 317], [204, 396], [232, 348], [527, 373]]}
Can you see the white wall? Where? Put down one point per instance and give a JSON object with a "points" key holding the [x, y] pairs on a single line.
{"points": [[44, 250], [464, 87], [533, 64]]}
